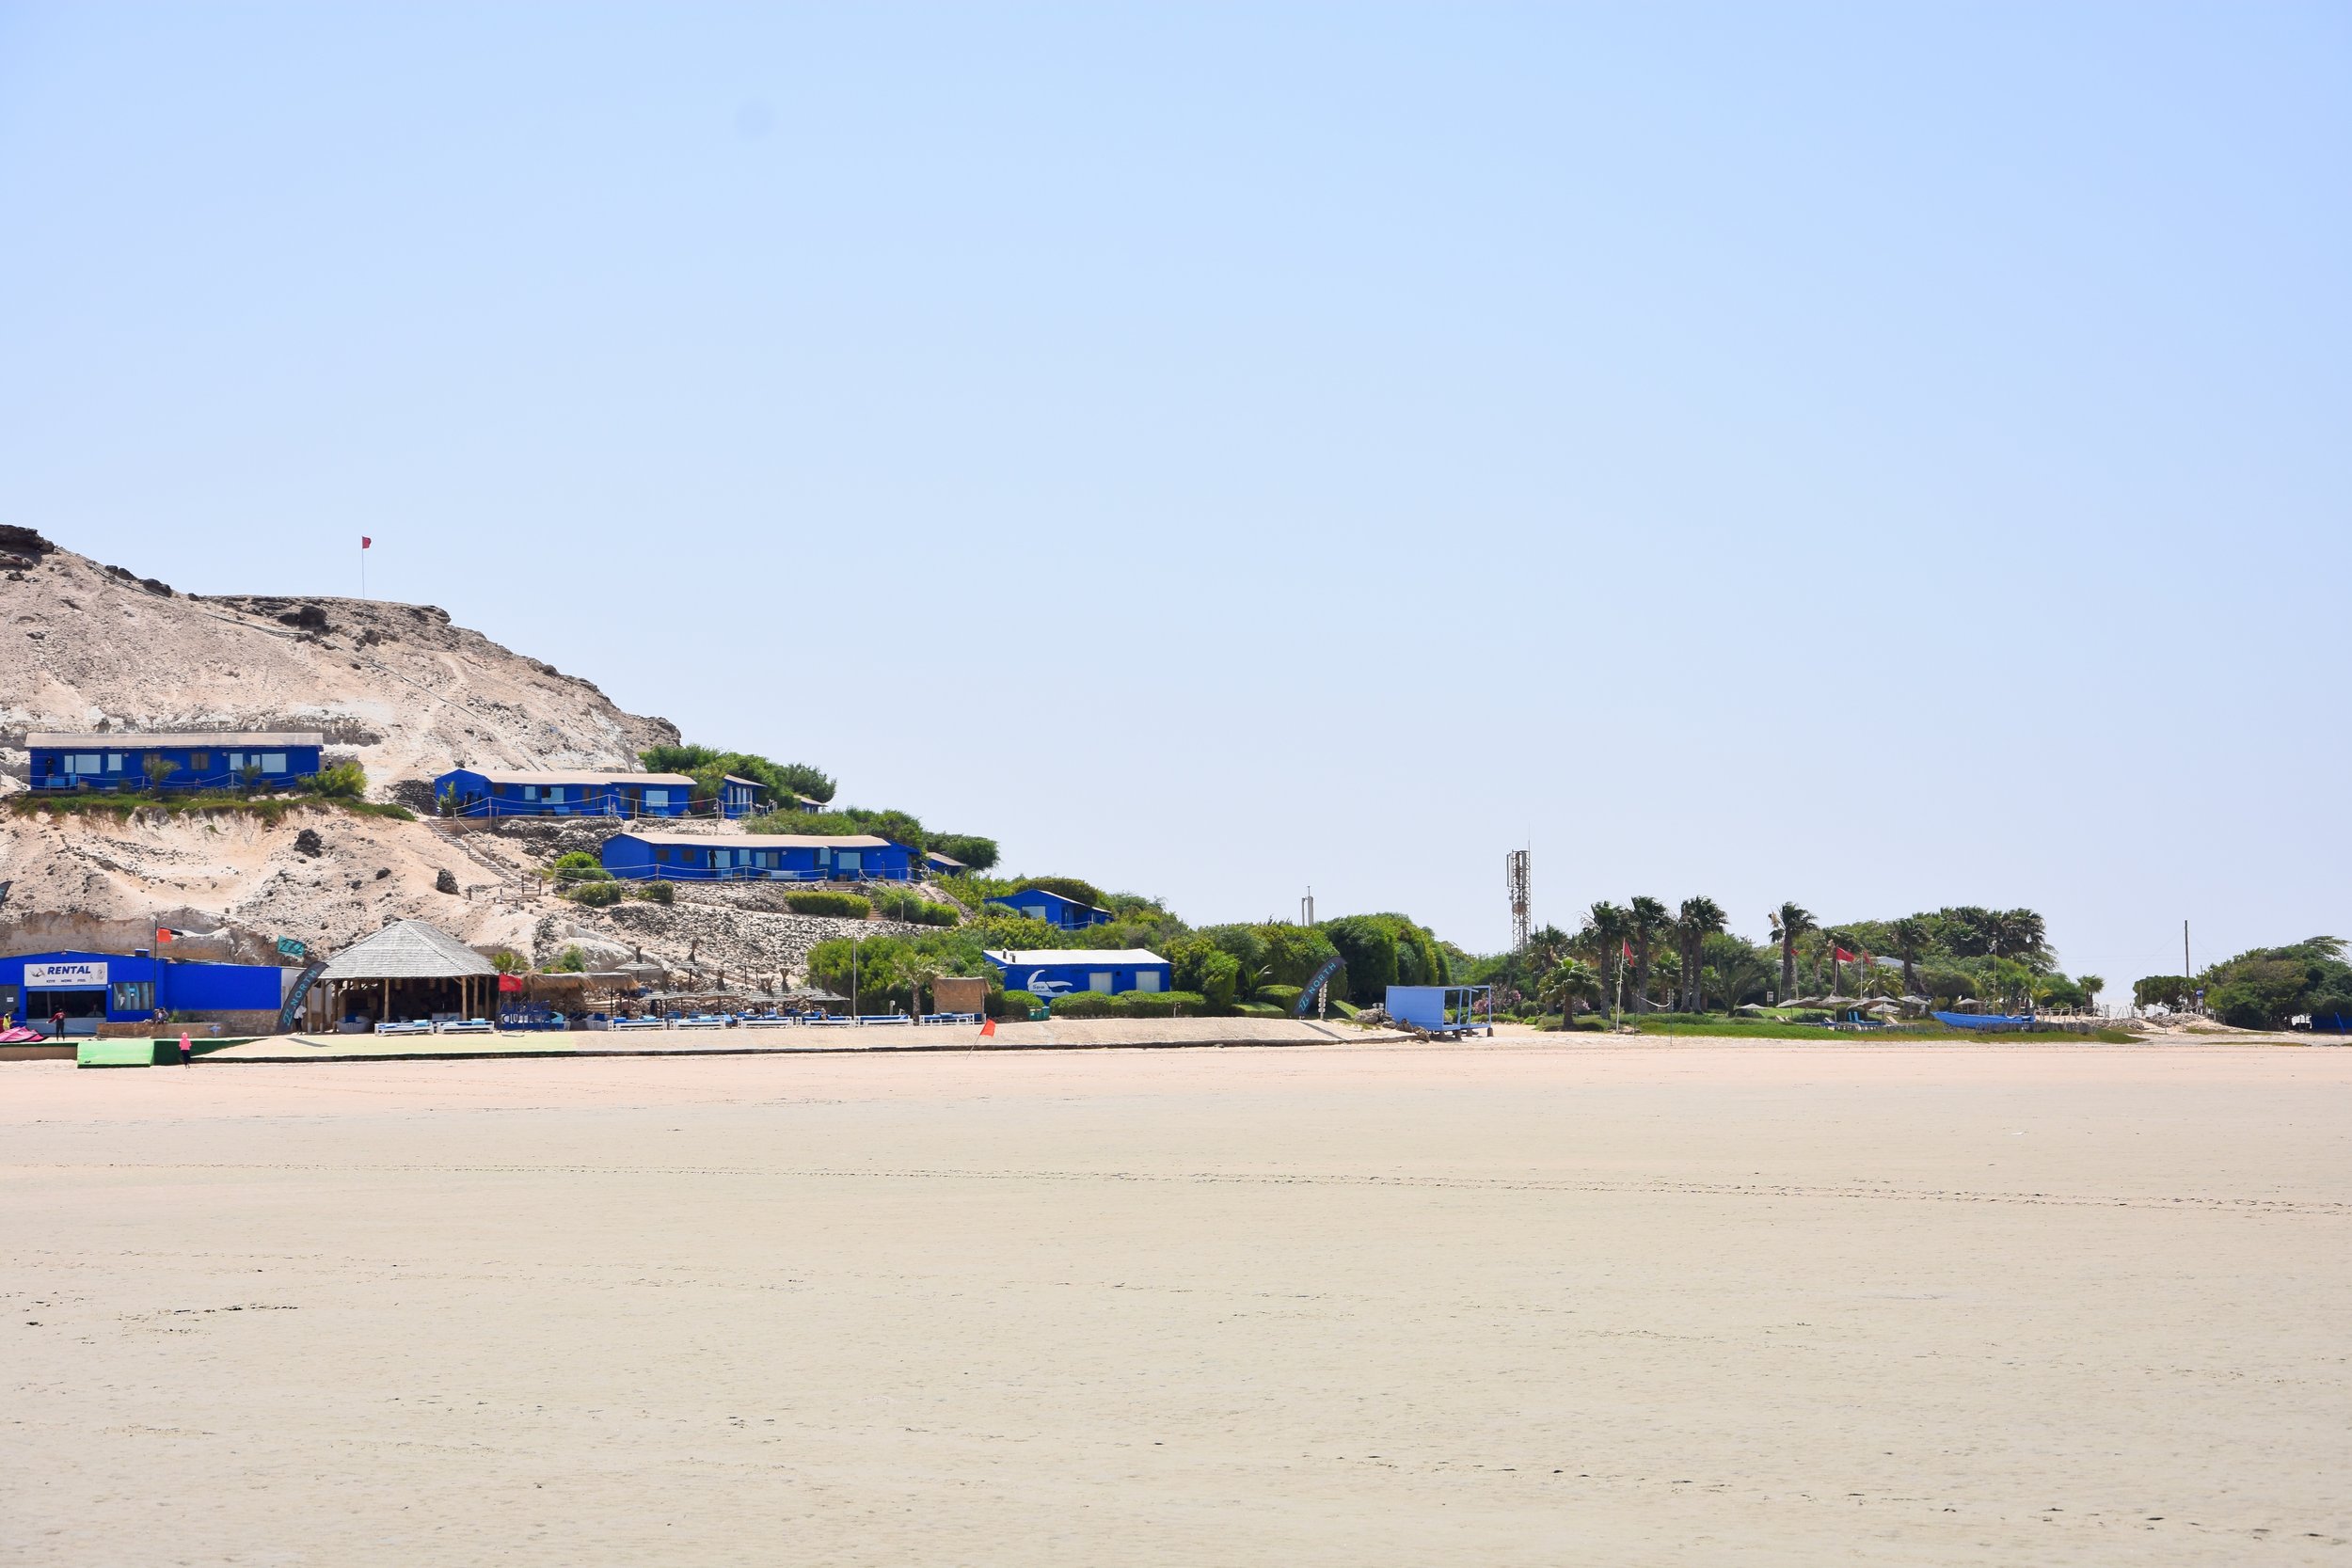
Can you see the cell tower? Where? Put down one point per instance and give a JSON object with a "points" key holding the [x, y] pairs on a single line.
{"points": [[1514, 874]]}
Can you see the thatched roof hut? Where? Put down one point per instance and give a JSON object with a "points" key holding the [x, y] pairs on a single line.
{"points": [[408, 970]]}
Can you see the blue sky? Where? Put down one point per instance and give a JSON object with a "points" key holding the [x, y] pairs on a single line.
{"points": [[1880, 457]]}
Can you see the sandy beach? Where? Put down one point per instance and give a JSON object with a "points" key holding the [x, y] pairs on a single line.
{"points": [[1499, 1304]]}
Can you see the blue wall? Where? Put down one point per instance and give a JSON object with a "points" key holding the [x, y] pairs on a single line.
{"points": [[1052, 908], [1065, 978], [622, 796], [195, 987], [123, 766], [739, 799], [752, 858]]}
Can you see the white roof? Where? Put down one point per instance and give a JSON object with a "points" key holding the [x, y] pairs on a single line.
{"points": [[760, 841], [128, 741], [615, 776], [1043, 956]]}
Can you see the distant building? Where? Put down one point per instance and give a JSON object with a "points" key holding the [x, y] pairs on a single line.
{"points": [[124, 987], [943, 866], [1060, 970], [1063, 914], [203, 760], [486, 792], [756, 857], [741, 797]]}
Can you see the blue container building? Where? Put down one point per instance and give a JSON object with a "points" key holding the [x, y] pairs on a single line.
{"points": [[124, 987], [1064, 914], [491, 792], [1060, 970], [275, 759], [756, 857], [741, 797]]}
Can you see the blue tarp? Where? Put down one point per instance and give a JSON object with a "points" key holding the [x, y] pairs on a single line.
{"points": [[1986, 1021]]}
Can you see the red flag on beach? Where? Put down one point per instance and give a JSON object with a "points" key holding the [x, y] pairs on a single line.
{"points": [[365, 541], [1844, 956], [1628, 950], [510, 982], [988, 1029]]}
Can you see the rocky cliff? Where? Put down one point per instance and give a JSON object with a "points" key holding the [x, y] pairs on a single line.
{"points": [[85, 646]]}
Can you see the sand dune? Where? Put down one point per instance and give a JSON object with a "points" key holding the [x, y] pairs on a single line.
{"points": [[1515, 1304]]}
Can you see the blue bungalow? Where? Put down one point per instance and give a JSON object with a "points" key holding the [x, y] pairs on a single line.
{"points": [[1064, 914], [741, 797], [943, 866], [124, 987], [276, 759], [1058, 971], [485, 792], [756, 857]]}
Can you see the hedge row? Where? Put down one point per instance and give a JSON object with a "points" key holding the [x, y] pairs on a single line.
{"points": [[1132, 1003], [914, 908], [849, 906]]}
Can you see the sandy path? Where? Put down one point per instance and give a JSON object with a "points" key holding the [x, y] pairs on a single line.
{"points": [[1491, 1305]]}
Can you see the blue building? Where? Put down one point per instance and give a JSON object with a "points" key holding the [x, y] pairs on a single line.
{"points": [[741, 797], [1060, 971], [943, 866], [124, 988], [756, 857], [488, 792], [1066, 915], [204, 760]]}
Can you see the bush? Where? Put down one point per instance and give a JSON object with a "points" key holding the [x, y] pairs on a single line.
{"points": [[1284, 997], [574, 962], [1257, 1009], [596, 895], [914, 908], [847, 906], [1010, 1003], [343, 781], [1091, 1004], [578, 866], [659, 893], [1166, 1004]]}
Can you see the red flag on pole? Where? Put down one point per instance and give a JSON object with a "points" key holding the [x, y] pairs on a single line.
{"points": [[365, 541], [1628, 950], [1843, 956], [988, 1029], [510, 982]]}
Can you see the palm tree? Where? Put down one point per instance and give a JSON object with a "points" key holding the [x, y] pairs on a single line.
{"points": [[1697, 920], [1606, 928], [2091, 986], [1570, 981], [2018, 934], [1646, 916], [1911, 937], [1790, 922]]}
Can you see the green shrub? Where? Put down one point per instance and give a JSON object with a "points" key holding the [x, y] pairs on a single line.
{"points": [[574, 962], [914, 908], [578, 866], [1257, 1009], [343, 781], [1091, 1004], [848, 906], [596, 895], [1166, 1004], [1283, 997], [659, 893], [1010, 1003]]}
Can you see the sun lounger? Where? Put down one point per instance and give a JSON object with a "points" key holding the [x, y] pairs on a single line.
{"points": [[462, 1027], [422, 1026]]}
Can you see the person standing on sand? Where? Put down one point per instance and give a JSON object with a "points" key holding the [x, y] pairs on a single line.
{"points": [[188, 1051], [57, 1025]]}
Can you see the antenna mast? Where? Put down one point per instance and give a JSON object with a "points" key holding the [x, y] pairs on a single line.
{"points": [[1515, 877]]}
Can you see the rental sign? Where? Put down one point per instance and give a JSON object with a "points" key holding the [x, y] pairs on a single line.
{"points": [[64, 977]]}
